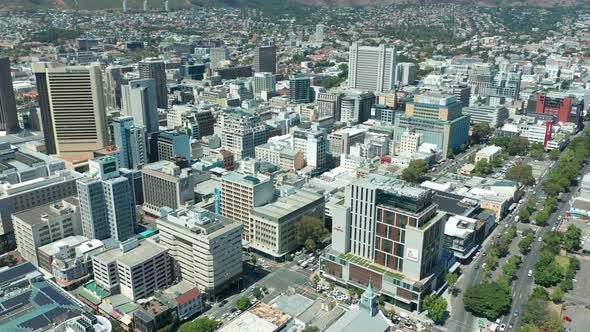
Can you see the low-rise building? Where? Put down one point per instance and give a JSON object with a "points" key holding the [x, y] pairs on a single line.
{"points": [[460, 236], [154, 315], [281, 154], [187, 299], [488, 153], [166, 185], [273, 226]]}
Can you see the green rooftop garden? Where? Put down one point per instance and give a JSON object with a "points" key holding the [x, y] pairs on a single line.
{"points": [[359, 261]]}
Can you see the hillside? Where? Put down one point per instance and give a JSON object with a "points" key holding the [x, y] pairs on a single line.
{"points": [[136, 5]]}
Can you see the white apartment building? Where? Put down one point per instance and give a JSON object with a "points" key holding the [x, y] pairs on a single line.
{"points": [[409, 142], [372, 68], [206, 248]]}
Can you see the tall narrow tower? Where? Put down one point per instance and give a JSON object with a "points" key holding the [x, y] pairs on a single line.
{"points": [[124, 6], [166, 6], [145, 6]]}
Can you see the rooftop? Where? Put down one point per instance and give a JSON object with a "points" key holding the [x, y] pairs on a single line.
{"points": [[144, 251], [289, 205], [42, 213]]}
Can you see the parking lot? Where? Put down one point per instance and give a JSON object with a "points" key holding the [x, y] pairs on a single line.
{"points": [[579, 318], [580, 295]]}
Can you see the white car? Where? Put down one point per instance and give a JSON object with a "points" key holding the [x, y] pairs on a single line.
{"points": [[503, 327]]}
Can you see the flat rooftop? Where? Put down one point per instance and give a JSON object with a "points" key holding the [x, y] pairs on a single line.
{"points": [[51, 210], [285, 206], [144, 251]]}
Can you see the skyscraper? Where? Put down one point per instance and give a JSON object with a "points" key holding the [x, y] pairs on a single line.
{"points": [[72, 110], [217, 55], [263, 82], [113, 79], [300, 90], [242, 132], [265, 59], [8, 118], [329, 105], [156, 70], [131, 142], [139, 100], [107, 201], [372, 68]]}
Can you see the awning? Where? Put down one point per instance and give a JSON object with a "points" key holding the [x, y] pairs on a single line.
{"points": [[454, 267]]}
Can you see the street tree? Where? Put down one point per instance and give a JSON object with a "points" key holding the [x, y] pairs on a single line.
{"points": [[572, 238], [199, 325], [522, 173], [415, 171], [487, 299], [242, 303], [309, 232], [436, 306]]}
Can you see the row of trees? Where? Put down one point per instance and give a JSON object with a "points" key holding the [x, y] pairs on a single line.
{"points": [[569, 165], [537, 315], [528, 237], [526, 213]]}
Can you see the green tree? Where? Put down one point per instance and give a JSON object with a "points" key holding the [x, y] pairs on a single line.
{"points": [[311, 329], [253, 260], [488, 300], [482, 168], [537, 151], [547, 274], [554, 154], [572, 238], [316, 280], [524, 216], [480, 132], [522, 173], [199, 325], [257, 292], [525, 243], [309, 232], [542, 217], [436, 306], [518, 146], [242, 303], [552, 242], [451, 279], [557, 295], [415, 171]]}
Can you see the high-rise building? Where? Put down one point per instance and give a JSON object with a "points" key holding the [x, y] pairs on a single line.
{"points": [[481, 78], [329, 105], [107, 201], [139, 100], [155, 69], [136, 269], [239, 194], [217, 55], [506, 85], [265, 59], [405, 73], [356, 106], [263, 82], [566, 108], [242, 132], [39, 69], [314, 144], [200, 122], [494, 116], [175, 143], [131, 142], [372, 68], [73, 97], [206, 248], [395, 230], [319, 33], [192, 71], [300, 90], [44, 224], [8, 117], [166, 185], [113, 80], [438, 118]]}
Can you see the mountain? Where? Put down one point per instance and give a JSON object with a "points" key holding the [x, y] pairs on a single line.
{"points": [[136, 5]]}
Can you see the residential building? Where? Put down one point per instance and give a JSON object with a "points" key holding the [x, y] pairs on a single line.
{"points": [[341, 140], [187, 299], [242, 132], [152, 68], [300, 90], [131, 142], [409, 142], [438, 118], [206, 248], [166, 185], [47, 253], [263, 81], [273, 226], [481, 77], [372, 68], [314, 144], [8, 117], [395, 237], [107, 201], [281, 154], [461, 236], [240, 194], [139, 100], [319, 33], [136, 269], [70, 265], [175, 143], [29, 194], [265, 59], [72, 103], [44, 224], [492, 115]]}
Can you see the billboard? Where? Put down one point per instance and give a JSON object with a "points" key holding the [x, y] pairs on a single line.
{"points": [[412, 254]]}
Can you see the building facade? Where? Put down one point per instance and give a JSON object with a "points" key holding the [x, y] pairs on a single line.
{"points": [[372, 68]]}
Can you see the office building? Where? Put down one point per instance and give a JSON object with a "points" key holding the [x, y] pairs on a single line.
{"points": [[107, 201], [265, 59], [192, 71], [481, 78], [393, 239], [231, 73], [70, 263], [206, 248], [314, 144], [341, 140], [383, 114], [410, 140], [199, 122], [263, 82], [492, 115], [113, 80], [20, 164], [355, 106], [372, 68], [175, 143], [136, 269], [438, 118], [131, 142], [565, 108], [319, 33], [217, 55], [29, 194], [242, 132], [328, 105], [155, 69], [488, 153], [41, 79], [240, 194], [273, 225], [166, 185], [506, 85], [300, 90], [139, 100], [44, 224], [73, 97], [8, 117], [405, 73]]}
